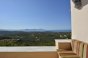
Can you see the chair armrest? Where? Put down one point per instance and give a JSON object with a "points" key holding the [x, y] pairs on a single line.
{"points": [[66, 54], [69, 56]]}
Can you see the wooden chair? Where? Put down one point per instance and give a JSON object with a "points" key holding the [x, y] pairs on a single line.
{"points": [[71, 50]]}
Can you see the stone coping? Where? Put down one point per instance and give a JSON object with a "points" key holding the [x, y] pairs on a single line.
{"points": [[28, 49]]}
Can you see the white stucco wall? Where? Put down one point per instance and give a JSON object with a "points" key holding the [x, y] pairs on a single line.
{"points": [[80, 21]]}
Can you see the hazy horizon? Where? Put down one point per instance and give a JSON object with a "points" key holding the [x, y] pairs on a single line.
{"points": [[34, 29]]}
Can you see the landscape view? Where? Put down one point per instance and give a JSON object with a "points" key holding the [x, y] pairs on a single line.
{"points": [[34, 22], [35, 37]]}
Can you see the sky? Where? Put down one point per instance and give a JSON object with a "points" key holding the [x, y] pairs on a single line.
{"points": [[35, 14]]}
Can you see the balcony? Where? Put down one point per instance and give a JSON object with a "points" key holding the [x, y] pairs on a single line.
{"points": [[63, 49]]}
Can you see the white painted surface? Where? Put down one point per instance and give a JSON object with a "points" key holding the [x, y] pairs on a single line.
{"points": [[61, 40], [28, 49], [80, 21]]}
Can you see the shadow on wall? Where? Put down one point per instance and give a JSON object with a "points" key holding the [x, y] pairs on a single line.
{"points": [[84, 3], [79, 4]]}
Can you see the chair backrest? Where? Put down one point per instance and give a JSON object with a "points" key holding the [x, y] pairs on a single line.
{"points": [[72, 44], [85, 51], [77, 47], [81, 47]]}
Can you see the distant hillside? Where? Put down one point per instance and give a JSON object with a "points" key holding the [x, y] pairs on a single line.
{"points": [[43, 30], [59, 30], [2, 32], [33, 30]]}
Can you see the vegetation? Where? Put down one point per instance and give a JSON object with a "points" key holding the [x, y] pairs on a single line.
{"points": [[32, 38]]}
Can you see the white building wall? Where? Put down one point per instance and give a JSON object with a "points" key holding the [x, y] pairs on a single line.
{"points": [[80, 21]]}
